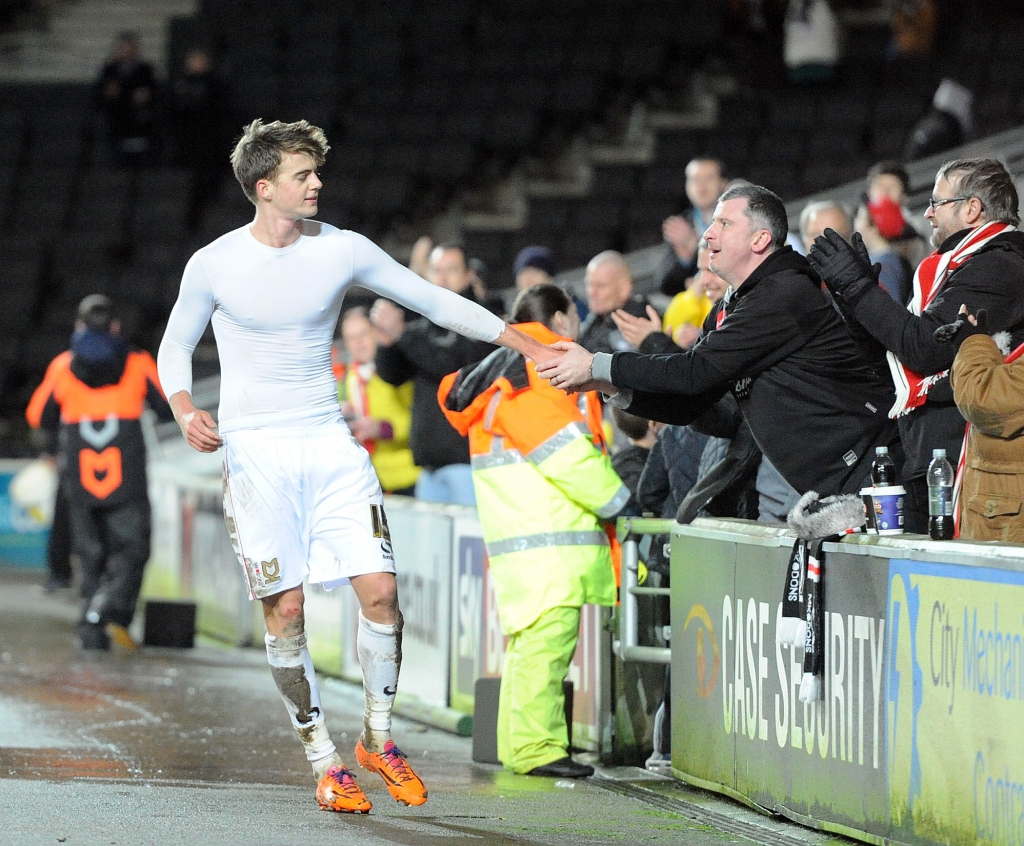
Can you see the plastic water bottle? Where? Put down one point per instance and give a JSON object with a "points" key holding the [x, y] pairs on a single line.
{"points": [[940, 497], [883, 471]]}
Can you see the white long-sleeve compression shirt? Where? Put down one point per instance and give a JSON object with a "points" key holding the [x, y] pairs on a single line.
{"points": [[274, 313]]}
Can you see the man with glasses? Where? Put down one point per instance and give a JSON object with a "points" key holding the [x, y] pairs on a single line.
{"points": [[978, 262]]}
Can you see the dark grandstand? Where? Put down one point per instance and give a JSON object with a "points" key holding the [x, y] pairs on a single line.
{"points": [[502, 122]]}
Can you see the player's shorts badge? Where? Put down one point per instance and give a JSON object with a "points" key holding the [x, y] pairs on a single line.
{"points": [[379, 522], [262, 574]]}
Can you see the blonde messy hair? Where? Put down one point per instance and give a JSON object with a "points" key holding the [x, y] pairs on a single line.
{"points": [[258, 153]]}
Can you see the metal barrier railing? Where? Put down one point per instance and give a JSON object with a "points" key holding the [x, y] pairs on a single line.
{"points": [[627, 646]]}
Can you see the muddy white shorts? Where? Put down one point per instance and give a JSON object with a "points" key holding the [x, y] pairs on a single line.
{"points": [[303, 503]]}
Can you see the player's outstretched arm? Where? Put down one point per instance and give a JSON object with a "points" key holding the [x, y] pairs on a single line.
{"points": [[197, 425], [376, 270], [530, 347]]}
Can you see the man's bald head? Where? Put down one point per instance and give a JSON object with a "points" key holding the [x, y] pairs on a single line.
{"points": [[821, 215], [609, 282]]}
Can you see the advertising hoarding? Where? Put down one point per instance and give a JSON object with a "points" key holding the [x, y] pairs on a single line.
{"points": [[915, 736], [956, 703]]}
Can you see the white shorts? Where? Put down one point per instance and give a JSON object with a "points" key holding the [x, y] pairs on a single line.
{"points": [[303, 503]]}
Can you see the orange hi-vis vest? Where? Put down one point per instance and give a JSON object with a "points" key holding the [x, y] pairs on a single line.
{"points": [[102, 449], [544, 484]]}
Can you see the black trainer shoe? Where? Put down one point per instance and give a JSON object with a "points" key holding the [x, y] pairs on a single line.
{"points": [[93, 636], [563, 768]]}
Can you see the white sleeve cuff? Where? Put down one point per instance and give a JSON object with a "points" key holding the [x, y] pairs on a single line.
{"points": [[623, 399], [601, 367]]}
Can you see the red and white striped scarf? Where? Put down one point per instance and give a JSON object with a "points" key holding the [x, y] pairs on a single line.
{"points": [[912, 388], [962, 463]]}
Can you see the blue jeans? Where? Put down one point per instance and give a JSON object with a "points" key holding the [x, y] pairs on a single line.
{"points": [[453, 484]]}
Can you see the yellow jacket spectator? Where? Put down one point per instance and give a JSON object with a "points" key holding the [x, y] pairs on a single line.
{"points": [[688, 309], [691, 306], [379, 414]]}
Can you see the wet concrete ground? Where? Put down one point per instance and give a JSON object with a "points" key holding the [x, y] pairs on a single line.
{"points": [[194, 747]]}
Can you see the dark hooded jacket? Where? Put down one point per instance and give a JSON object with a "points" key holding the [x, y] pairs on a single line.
{"points": [[815, 404], [93, 397]]}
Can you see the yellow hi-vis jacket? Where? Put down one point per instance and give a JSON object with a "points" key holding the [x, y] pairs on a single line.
{"points": [[371, 396], [543, 483]]}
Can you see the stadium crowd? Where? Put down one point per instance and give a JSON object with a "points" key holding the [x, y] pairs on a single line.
{"points": [[891, 328]]}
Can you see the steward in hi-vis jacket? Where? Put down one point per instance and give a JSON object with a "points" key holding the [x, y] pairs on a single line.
{"points": [[92, 397], [544, 487]]}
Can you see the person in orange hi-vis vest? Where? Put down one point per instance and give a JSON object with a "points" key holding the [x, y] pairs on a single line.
{"points": [[545, 492], [91, 399]]}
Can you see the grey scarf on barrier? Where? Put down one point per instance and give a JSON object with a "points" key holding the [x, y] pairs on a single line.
{"points": [[803, 622]]}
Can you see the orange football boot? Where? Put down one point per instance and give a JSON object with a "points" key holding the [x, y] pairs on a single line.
{"points": [[392, 766], [120, 637], [338, 791]]}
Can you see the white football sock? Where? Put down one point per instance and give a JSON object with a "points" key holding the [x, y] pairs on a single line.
{"points": [[380, 657], [292, 669]]}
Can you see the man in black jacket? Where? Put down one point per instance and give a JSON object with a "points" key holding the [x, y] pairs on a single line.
{"points": [[979, 262], [425, 353], [815, 405]]}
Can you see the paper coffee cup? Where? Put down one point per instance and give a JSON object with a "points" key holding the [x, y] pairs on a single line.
{"points": [[887, 509]]}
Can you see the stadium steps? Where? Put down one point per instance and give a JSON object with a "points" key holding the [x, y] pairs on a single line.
{"points": [[77, 38]]}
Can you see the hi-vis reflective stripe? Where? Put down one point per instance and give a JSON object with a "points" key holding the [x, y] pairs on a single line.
{"points": [[498, 458], [615, 504], [561, 438], [492, 407], [543, 540]]}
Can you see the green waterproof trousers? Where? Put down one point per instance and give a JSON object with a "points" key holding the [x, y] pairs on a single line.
{"points": [[531, 708]]}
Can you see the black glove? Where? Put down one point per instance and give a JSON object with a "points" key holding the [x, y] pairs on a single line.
{"points": [[961, 329], [846, 270]]}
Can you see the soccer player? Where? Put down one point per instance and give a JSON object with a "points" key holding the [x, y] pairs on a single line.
{"points": [[301, 499]]}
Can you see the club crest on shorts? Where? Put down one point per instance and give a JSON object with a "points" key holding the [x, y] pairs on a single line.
{"points": [[379, 522], [271, 571], [263, 573]]}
